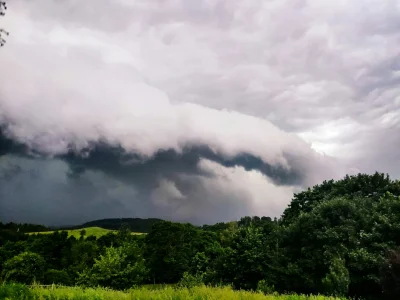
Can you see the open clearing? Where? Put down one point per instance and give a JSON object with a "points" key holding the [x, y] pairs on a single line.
{"points": [[90, 231]]}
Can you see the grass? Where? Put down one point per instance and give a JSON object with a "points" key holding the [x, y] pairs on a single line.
{"points": [[21, 292], [90, 231]]}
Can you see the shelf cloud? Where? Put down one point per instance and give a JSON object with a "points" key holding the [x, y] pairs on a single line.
{"points": [[199, 111]]}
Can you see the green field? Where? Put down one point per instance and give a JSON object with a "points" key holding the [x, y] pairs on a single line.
{"points": [[90, 231], [21, 292]]}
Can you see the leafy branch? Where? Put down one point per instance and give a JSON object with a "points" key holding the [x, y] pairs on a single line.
{"points": [[3, 8]]}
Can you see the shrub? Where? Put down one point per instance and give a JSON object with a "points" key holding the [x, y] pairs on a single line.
{"points": [[265, 288], [119, 268], [15, 291], [190, 281], [24, 268], [337, 280]]}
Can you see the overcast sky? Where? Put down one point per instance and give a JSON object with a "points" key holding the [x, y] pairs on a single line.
{"points": [[192, 110]]}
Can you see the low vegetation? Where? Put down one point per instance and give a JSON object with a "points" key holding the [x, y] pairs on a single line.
{"points": [[20, 292]]}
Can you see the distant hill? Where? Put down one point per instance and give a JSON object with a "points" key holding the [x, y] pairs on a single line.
{"points": [[89, 231], [134, 224]]}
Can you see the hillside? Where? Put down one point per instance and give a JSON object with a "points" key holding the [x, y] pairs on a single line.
{"points": [[134, 224], [89, 231]]}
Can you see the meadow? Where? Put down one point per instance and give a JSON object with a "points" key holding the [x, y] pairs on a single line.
{"points": [[89, 231], [22, 292]]}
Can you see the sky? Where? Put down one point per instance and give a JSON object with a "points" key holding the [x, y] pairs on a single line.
{"points": [[191, 110]]}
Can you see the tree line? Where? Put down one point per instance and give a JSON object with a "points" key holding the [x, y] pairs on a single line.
{"points": [[338, 238]]}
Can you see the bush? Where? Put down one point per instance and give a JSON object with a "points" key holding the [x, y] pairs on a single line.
{"points": [[190, 281], [15, 291], [337, 280], [265, 288], [25, 268], [119, 268]]}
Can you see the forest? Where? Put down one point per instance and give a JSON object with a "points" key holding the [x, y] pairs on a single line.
{"points": [[338, 238]]}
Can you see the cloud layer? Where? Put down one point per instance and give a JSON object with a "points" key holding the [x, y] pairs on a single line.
{"points": [[200, 111]]}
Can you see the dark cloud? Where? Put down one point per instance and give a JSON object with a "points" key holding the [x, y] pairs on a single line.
{"points": [[8, 145], [116, 161], [77, 189]]}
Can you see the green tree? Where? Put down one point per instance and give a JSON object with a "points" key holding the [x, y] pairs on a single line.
{"points": [[246, 263], [24, 268], [210, 264], [117, 268], [54, 248], [82, 256], [227, 235], [11, 249], [337, 280], [359, 230], [361, 185], [171, 247]]}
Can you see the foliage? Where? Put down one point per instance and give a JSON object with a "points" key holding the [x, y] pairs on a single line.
{"points": [[81, 256], [52, 248], [337, 280], [117, 268], [16, 291], [245, 264], [170, 248], [23, 227], [390, 275], [362, 185], [264, 287], [190, 281], [24, 268]]}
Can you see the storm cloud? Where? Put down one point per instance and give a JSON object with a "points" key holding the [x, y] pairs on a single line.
{"points": [[198, 111]]}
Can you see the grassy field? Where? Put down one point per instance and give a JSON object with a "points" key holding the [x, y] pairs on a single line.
{"points": [[90, 231], [21, 292]]}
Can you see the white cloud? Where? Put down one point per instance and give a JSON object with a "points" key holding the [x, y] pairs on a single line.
{"points": [[166, 194], [264, 197]]}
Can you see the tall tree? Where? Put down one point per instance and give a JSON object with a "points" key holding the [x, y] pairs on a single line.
{"points": [[171, 247], [361, 185]]}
